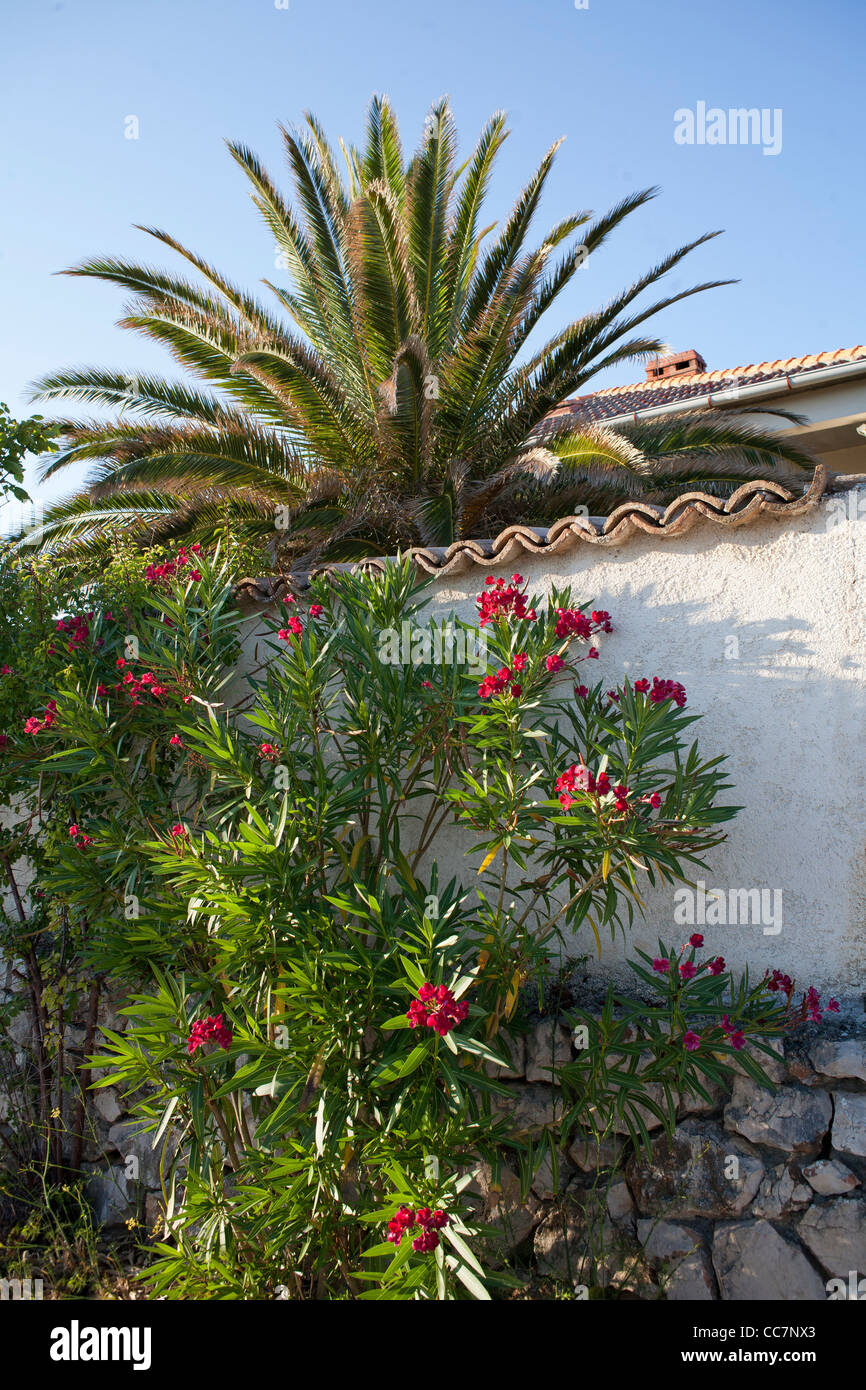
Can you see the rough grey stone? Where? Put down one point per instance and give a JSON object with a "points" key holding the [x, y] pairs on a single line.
{"points": [[512, 1215], [516, 1049], [620, 1206], [849, 1123], [111, 1196], [20, 1030], [580, 1242], [780, 1193], [688, 1174], [690, 1103], [130, 1141], [830, 1178], [590, 1153], [543, 1184], [752, 1262], [773, 1066], [106, 1104], [548, 1047], [840, 1057], [835, 1232], [789, 1119], [530, 1108], [681, 1256]]}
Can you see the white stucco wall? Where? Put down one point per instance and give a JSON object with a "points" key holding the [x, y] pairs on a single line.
{"points": [[764, 625]]}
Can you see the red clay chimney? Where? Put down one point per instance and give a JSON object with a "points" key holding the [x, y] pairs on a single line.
{"points": [[675, 364]]}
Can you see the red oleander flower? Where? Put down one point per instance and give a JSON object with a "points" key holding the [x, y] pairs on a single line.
{"points": [[688, 970], [516, 691], [691, 1041], [316, 610], [661, 965], [431, 1222], [120, 663], [269, 751], [73, 829], [496, 685], [427, 685], [5, 670], [696, 940], [716, 966], [503, 601], [195, 575], [667, 690], [833, 1006], [179, 832], [518, 662], [436, 1008], [581, 691], [570, 622], [642, 686], [779, 982], [176, 741], [554, 663], [34, 725], [209, 1030], [402, 1221], [293, 627]]}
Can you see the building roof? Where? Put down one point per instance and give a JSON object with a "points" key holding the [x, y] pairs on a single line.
{"points": [[698, 386]]}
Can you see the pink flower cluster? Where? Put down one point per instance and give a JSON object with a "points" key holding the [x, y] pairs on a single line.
{"points": [[294, 627], [79, 839], [496, 685], [35, 725], [170, 569], [209, 1030], [688, 970], [570, 622], [501, 600], [662, 690], [810, 1004], [137, 686], [78, 628], [436, 1008], [269, 751], [431, 1223], [578, 778]]}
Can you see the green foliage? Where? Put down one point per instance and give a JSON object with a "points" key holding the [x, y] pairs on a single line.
{"points": [[265, 850], [17, 439], [394, 394]]}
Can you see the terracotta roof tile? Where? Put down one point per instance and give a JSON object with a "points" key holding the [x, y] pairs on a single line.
{"points": [[763, 497]]}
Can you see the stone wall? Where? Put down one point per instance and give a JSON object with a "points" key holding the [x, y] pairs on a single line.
{"points": [[758, 1194]]}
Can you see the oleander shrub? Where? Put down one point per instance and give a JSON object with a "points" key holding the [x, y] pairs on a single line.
{"points": [[251, 850]]}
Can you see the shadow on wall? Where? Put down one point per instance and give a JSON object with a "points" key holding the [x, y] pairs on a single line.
{"points": [[766, 634]]}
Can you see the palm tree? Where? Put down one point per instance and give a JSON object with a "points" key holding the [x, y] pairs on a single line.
{"points": [[390, 396]]}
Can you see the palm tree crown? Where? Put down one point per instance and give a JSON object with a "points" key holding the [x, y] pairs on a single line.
{"points": [[389, 397]]}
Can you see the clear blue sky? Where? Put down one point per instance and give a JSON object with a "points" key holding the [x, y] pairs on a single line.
{"points": [[609, 78]]}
